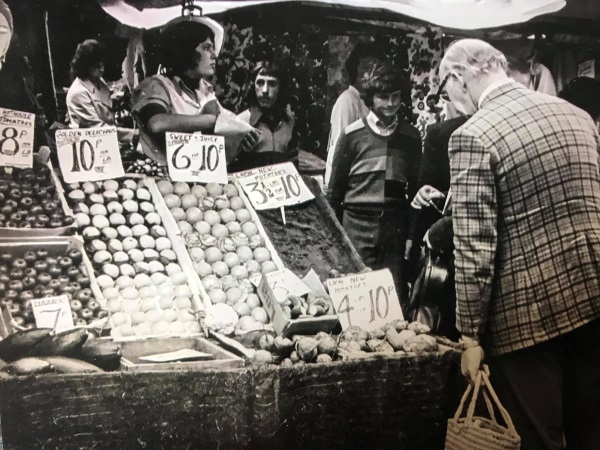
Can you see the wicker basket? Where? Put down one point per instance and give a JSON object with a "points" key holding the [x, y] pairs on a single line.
{"points": [[468, 433]]}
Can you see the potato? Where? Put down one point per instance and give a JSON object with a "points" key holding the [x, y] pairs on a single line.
{"points": [[377, 333], [323, 358], [327, 346], [283, 346], [419, 328], [353, 347], [294, 357], [287, 362], [262, 357], [307, 349], [385, 347], [420, 343], [267, 342], [373, 344]]}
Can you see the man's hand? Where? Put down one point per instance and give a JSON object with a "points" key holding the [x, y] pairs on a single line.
{"points": [[250, 140], [425, 196], [471, 359]]}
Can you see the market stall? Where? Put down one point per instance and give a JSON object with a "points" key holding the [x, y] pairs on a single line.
{"points": [[187, 307]]}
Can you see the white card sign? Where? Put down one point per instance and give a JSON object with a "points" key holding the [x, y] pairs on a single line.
{"points": [[196, 157], [368, 300], [53, 312], [89, 154], [284, 282], [274, 186], [16, 138]]}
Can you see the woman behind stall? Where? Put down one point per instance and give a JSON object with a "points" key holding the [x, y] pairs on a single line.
{"points": [[180, 99], [89, 102], [271, 115], [374, 177]]}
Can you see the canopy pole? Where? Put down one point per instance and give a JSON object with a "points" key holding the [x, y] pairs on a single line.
{"points": [[50, 59]]}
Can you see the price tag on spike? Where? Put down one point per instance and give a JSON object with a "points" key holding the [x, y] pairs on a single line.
{"points": [[53, 312], [89, 154], [368, 300], [16, 138], [196, 157], [274, 186]]}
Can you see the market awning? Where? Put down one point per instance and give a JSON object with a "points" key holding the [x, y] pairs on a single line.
{"points": [[458, 14]]}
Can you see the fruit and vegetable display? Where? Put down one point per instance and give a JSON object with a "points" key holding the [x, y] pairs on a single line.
{"points": [[226, 249], [146, 290], [38, 274], [397, 337], [40, 351], [28, 199], [311, 304]]}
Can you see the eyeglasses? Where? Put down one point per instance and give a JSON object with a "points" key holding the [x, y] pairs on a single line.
{"points": [[441, 93]]}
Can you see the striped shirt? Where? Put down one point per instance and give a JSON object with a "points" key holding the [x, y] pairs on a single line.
{"points": [[372, 171]]}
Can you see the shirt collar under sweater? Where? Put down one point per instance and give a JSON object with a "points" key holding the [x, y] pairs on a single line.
{"points": [[379, 127]]}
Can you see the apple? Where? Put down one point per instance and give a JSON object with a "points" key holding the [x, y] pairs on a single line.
{"points": [[93, 305], [86, 314], [75, 305]]}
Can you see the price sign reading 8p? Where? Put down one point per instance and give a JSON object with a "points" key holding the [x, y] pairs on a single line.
{"points": [[274, 186], [368, 300], [16, 138], [196, 158], [89, 154]]}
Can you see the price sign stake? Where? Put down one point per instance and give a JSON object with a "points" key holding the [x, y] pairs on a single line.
{"points": [[16, 138], [368, 300], [274, 186], [196, 157], [53, 312], [89, 154]]}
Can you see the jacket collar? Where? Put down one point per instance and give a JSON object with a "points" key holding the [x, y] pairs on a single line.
{"points": [[256, 114], [499, 90]]}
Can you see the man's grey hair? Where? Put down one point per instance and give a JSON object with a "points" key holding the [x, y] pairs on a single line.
{"points": [[472, 55]]}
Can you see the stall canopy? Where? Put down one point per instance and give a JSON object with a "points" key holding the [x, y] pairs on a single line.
{"points": [[458, 14]]}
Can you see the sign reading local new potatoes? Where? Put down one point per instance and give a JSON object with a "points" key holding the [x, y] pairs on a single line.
{"points": [[274, 186], [89, 154], [368, 300]]}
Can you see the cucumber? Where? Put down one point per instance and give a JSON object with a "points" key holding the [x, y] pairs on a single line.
{"points": [[63, 364], [28, 366], [16, 345], [102, 353], [67, 343]]}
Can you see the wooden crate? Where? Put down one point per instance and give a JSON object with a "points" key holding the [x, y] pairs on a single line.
{"points": [[222, 359]]}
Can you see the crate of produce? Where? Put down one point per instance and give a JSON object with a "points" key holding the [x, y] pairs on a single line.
{"points": [[312, 237], [293, 307], [217, 357], [227, 247], [32, 203], [148, 288], [41, 268]]}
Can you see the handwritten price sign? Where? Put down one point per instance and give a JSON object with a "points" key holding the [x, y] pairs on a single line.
{"points": [[368, 300], [274, 186], [196, 157], [16, 138], [89, 154], [53, 312]]}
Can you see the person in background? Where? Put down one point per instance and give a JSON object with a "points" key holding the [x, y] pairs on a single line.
{"points": [[89, 102], [6, 30], [525, 186], [349, 106], [374, 175], [270, 114], [531, 74], [584, 92], [181, 99]]}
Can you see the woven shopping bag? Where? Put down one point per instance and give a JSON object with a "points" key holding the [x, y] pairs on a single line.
{"points": [[480, 433]]}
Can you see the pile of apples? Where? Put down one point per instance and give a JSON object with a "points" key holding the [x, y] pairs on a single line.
{"points": [[36, 274], [225, 246], [146, 290]]}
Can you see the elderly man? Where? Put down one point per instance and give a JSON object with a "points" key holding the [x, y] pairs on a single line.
{"points": [[526, 213]]}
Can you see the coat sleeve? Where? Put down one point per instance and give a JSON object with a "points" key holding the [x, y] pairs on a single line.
{"points": [[340, 175], [82, 111], [434, 170], [475, 235]]}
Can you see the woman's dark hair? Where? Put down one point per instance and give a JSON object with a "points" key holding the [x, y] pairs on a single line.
{"points": [[518, 64], [583, 92], [88, 54], [272, 68], [382, 79], [178, 44], [361, 50]]}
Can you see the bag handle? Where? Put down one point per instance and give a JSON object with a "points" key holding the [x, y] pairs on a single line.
{"points": [[483, 377]]}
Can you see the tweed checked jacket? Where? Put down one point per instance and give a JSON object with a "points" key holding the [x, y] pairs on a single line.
{"points": [[526, 217]]}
